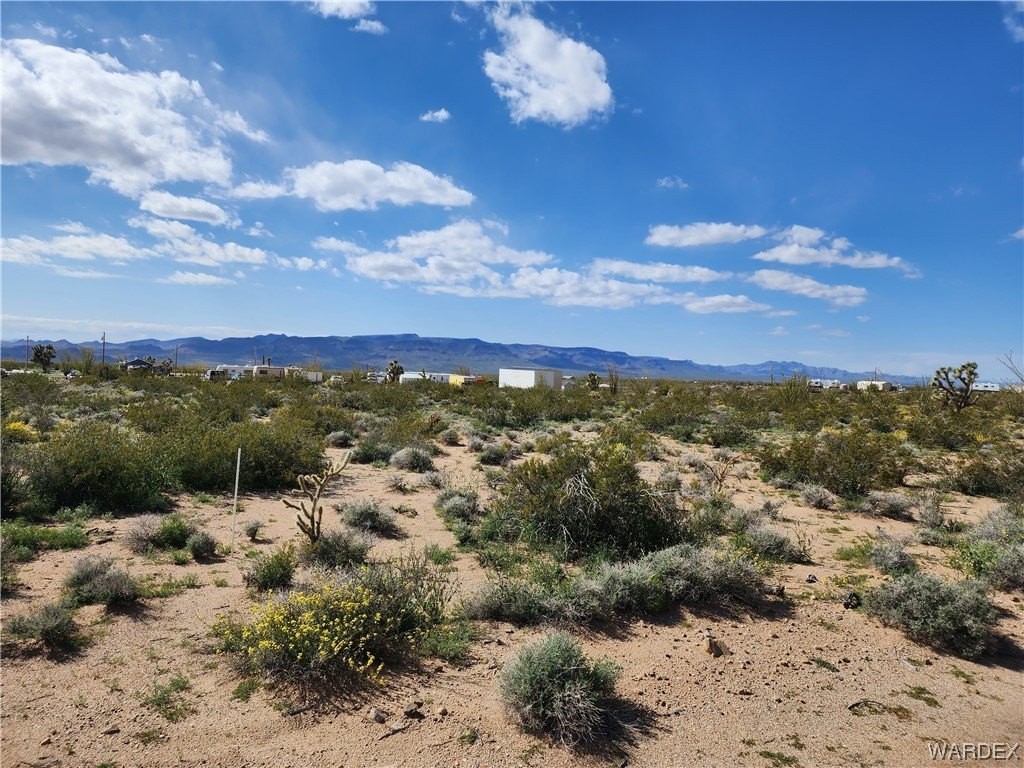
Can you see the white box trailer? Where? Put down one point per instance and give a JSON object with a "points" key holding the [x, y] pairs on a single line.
{"points": [[524, 378]]}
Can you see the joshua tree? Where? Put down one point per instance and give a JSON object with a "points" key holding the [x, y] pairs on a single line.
{"points": [[394, 371], [593, 380], [955, 386], [312, 486], [43, 355]]}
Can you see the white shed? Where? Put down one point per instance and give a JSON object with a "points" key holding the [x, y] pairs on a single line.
{"points": [[524, 378], [884, 386]]}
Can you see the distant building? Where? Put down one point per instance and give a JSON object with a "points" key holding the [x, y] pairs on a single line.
{"points": [[315, 376], [986, 386], [268, 371], [884, 386], [138, 364], [455, 379], [823, 384], [524, 378]]}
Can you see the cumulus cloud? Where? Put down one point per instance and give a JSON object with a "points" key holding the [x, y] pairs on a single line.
{"points": [[71, 228], [132, 130], [798, 285], [544, 75], [672, 182], [658, 272], [180, 242], [804, 245], [702, 233], [464, 259], [1013, 18], [370, 26], [360, 185], [342, 9], [196, 278], [191, 208], [1019, 234], [258, 230], [441, 115]]}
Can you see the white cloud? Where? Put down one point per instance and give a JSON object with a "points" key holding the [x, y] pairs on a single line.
{"points": [[370, 26], [1019, 234], [658, 272], [1013, 18], [702, 233], [462, 259], [304, 263], [781, 313], [132, 130], [191, 208], [71, 228], [216, 67], [258, 230], [258, 190], [803, 245], [30, 250], [441, 115], [360, 185], [342, 9], [182, 243], [837, 295], [836, 333], [672, 182], [778, 330], [43, 29], [544, 75], [61, 325], [722, 303], [863, 318], [196, 278]]}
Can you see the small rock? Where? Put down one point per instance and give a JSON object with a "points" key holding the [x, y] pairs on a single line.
{"points": [[492, 665], [412, 712], [111, 730], [46, 742], [811, 579], [443, 712], [376, 715]]}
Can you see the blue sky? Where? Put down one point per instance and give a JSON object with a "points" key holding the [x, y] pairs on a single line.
{"points": [[835, 183]]}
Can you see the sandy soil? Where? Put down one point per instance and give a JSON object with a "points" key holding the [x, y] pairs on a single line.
{"points": [[783, 693]]}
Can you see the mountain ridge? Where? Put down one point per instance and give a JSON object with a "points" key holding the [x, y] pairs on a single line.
{"points": [[417, 352]]}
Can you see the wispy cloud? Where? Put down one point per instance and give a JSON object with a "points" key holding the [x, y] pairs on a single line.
{"points": [[441, 115], [196, 278], [672, 182], [342, 9], [702, 233], [798, 285], [805, 245], [370, 26]]}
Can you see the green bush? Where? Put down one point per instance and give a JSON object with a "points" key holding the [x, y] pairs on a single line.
{"points": [[994, 548], [201, 545], [773, 545], [991, 473], [158, 532], [273, 571], [849, 463], [25, 540], [95, 580], [372, 449], [412, 459], [368, 516], [53, 625], [336, 549], [91, 462], [950, 616], [586, 498], [341, 439], [552, 687], [892, 559], [458, 504]]}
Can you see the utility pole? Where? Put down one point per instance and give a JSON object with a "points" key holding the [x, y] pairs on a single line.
{"points": [[103, 364], [176, 356], [26, 350]]}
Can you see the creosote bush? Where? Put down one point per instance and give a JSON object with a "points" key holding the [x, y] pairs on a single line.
{"points": [[369, 516], [201, 545], [337, 549], [412, 459], [53, 625], [953, 616], [552, 687], [158, 532], [95, 580], [892, 559], [272, 571]]}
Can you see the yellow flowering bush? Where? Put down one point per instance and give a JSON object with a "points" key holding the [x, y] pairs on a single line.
{"points": [[19, 432], [334, 628]]}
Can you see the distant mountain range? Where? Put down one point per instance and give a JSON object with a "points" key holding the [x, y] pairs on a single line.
{"points": [[439, 354]]}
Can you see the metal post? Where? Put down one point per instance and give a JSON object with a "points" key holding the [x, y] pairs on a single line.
{"points": [[234, 511]]}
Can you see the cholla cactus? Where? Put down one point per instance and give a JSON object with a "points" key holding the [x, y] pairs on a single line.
{"points": [[955, 386], [312, 486]]}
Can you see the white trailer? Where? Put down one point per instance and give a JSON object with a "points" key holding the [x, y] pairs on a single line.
{"points": [[884, 386], [524, 378]]}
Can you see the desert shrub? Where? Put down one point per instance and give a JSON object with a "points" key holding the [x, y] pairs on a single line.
{"points": [[450, 437], [14, 486], [774, 546], [950, 616], [458, 504], [475, 444], [1007, 572], [892, 559], [849, 463], [346, 625], [340, 439], [887, 504], [372, 448], [156, 532], [53, 625], [252, 529], [201, 545], [710, 515], [990, 473], [994, 548], [368, 516], [272, 571], [412, 459], [25, 540], [8, 566], [586, 498], [337, 549], [552, 443], [552, 687], [726, 433], [435, 479], [439, 555], [519, 601], [398, 483], [97, 463], [929, 509], [497, 454], [95, 580]]}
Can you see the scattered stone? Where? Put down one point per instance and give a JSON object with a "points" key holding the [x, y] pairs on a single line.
{"points": [[376, 715], [413, 712], [852, 601], [811, 579], [443, 712], [46, 742], [111, 730]]}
